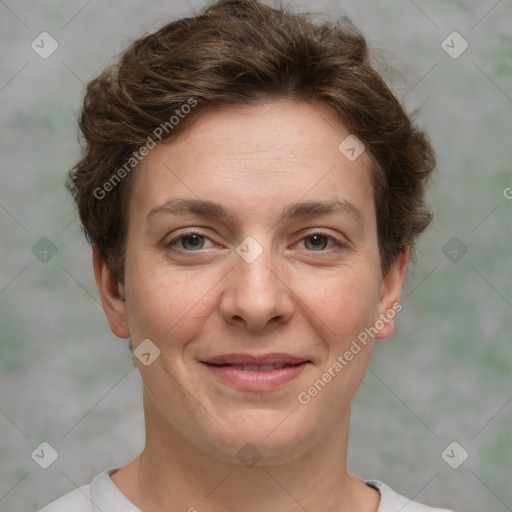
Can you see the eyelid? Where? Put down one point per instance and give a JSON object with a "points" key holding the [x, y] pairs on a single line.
{"points": [[339, 243], [184, 234]]}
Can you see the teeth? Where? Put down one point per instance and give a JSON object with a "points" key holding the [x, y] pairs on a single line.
{"points": [[262, 368]]}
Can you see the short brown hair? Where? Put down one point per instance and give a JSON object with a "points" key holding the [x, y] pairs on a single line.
{"points": [[241, 52]]}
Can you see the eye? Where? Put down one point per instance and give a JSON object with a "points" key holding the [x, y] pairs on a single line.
{"points": [[193, 241], [190, 241], [319, 241]]}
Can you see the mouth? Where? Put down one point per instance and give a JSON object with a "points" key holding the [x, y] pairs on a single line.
{"points": [[257, 368], [263, 360], [256, 373]]}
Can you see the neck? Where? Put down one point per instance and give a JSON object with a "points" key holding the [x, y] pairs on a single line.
{"points": [[171, 469]]}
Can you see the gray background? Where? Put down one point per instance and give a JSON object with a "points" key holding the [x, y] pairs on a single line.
{"points": [[445, 375]]}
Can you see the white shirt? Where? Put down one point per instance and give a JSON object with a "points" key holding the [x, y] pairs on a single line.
{"points": [[102, 495]]}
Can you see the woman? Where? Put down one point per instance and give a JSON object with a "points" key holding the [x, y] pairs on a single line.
{"points": [[253, 192]]}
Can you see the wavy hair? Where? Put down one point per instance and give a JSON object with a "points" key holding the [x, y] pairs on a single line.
{"points": [[242, 52]]}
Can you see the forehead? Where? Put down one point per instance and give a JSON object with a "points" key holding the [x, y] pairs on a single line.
{"points": [[252, 158]]}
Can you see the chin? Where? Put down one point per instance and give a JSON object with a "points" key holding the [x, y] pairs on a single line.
{"points": [[262, 438]]}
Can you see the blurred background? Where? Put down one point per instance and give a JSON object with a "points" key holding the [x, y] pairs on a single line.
{"points": [[433, 416]]}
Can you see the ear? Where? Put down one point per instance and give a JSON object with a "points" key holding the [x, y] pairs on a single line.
{"points": [[389, 303], [111, 294]]}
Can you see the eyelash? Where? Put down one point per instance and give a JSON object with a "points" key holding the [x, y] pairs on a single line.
{"points": [[339, 245]]}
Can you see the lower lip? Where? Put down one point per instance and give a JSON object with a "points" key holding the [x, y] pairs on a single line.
{"points": [[257, 380]]}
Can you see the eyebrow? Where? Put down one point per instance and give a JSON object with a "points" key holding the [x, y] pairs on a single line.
{"points": [[292, 211]]}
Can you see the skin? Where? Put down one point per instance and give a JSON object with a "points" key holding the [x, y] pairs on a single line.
{"points": [[296, 297]]}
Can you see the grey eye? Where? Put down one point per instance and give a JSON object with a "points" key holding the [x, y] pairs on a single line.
{"points": [[196, 241], [318, 241]]}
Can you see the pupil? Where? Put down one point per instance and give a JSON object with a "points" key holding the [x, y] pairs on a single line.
{"points": [[195, 243], [317, 240]]}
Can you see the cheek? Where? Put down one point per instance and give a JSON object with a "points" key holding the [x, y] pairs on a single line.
{"points": [[347, 303], [167, 305]]}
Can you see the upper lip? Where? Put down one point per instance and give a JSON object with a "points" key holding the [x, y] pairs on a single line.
{"points": [[247, 359]]}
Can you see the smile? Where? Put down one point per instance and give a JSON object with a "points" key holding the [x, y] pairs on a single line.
{"points": [[258, 368], [257, 374]]}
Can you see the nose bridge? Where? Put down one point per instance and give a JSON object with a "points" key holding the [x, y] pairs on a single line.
{"points": [[255, 293], [255, 263]]}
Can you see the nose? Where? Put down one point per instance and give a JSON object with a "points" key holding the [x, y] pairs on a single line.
{"points": [[256, 293]]}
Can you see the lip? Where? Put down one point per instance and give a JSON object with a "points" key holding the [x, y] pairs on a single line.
{"points": [[256, 380], [262, 359]]}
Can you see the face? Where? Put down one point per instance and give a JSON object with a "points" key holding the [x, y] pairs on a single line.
{"points": [[255, 298]]}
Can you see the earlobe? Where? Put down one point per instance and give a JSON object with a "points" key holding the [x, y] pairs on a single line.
{"points": [[111, 294], [389, 304]]}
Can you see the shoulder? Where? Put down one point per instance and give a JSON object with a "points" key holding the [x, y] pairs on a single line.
{"points": [[78, 500], [390, 501], [101, 495]]}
